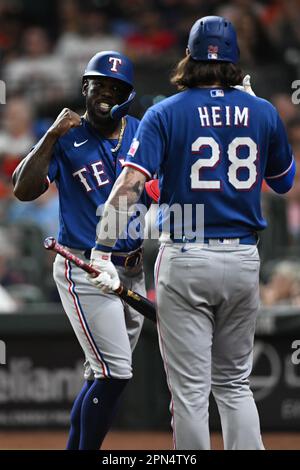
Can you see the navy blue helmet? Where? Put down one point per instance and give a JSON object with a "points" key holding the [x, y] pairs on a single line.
{"points": [[213, 38], [114, 65]]}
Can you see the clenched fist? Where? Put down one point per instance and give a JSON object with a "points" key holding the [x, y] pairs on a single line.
{"points": [[64, 121]]}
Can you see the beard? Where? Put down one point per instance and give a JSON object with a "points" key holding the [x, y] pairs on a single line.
{"points": [[98, 118], [102, 122]]}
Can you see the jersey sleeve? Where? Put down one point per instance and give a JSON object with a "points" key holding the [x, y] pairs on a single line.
{"points": [[280, 155], [148, 146], [53, 167]]}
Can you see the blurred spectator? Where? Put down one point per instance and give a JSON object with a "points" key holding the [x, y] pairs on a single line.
{"points": [[37, 73], [88, 36], [10, 27], [270, 15], [287, 24], [42, 212], [282, 18], [293, 209], [8, 276], [69, 16], [133, 8], [16, 136], [293, 127], [285, 107], [283, 286], [282, 236], [16, 139], [175, 13], [274, 240], [152, 40], [254, 43], [7, 303]]}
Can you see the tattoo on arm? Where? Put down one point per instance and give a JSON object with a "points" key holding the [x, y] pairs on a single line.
{"points": [[138, 188], [130, 184], [29, 176], [125, 193]]}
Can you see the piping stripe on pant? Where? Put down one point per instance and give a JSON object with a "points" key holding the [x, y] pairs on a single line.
{"points": [[83, 322], [163, 352]]}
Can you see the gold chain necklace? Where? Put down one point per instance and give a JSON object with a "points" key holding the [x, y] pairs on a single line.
{"points": [[123, 125], [120, 138]]}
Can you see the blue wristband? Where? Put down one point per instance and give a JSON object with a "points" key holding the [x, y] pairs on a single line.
{"points": [[283, 183]]}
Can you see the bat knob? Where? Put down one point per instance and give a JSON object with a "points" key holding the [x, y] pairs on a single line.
{"points": [[49, 243]]}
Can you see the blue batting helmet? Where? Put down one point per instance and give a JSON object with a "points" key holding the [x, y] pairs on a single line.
{"points": [[213, 38], [114, 65]]}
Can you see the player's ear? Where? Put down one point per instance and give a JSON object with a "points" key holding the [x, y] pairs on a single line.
{"points": [[85, 85], [187, 51]]}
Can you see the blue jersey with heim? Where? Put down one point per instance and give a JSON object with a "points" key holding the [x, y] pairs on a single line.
{"points": [[213, 146], [85, 169]]}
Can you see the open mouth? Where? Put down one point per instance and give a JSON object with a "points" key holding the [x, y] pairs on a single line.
{"points": [[102, 107]]}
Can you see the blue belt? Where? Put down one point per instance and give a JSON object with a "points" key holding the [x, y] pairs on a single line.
{"points": [[251, 239]]}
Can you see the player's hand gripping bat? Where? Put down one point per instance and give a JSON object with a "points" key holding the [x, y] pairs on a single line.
{"points": [[136, 301]]}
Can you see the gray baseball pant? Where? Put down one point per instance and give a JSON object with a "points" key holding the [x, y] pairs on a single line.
{"points": [[106, 328], [208, 298]]}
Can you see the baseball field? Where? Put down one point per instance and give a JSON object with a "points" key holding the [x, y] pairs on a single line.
{"points": [[55, 440]]}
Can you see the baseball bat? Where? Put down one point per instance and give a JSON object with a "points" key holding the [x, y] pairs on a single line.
{"points": [[135, 300]]}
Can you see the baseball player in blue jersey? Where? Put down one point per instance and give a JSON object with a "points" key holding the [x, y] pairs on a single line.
{"points": [[211, 145], [83, 155]]}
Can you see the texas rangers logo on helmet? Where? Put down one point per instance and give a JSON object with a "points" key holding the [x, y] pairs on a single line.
{"points": [[212, 52], [116, 61]]}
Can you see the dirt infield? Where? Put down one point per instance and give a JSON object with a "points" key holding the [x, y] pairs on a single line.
{"points": [[52, 440]]}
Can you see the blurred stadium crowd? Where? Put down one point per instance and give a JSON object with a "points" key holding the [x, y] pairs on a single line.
{"points": [[44, 47]]}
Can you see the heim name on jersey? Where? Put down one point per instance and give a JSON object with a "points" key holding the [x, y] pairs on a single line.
{"points": [[220, 116]]}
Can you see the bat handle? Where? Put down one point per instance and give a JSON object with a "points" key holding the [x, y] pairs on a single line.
{"points": [[51, 244]]}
